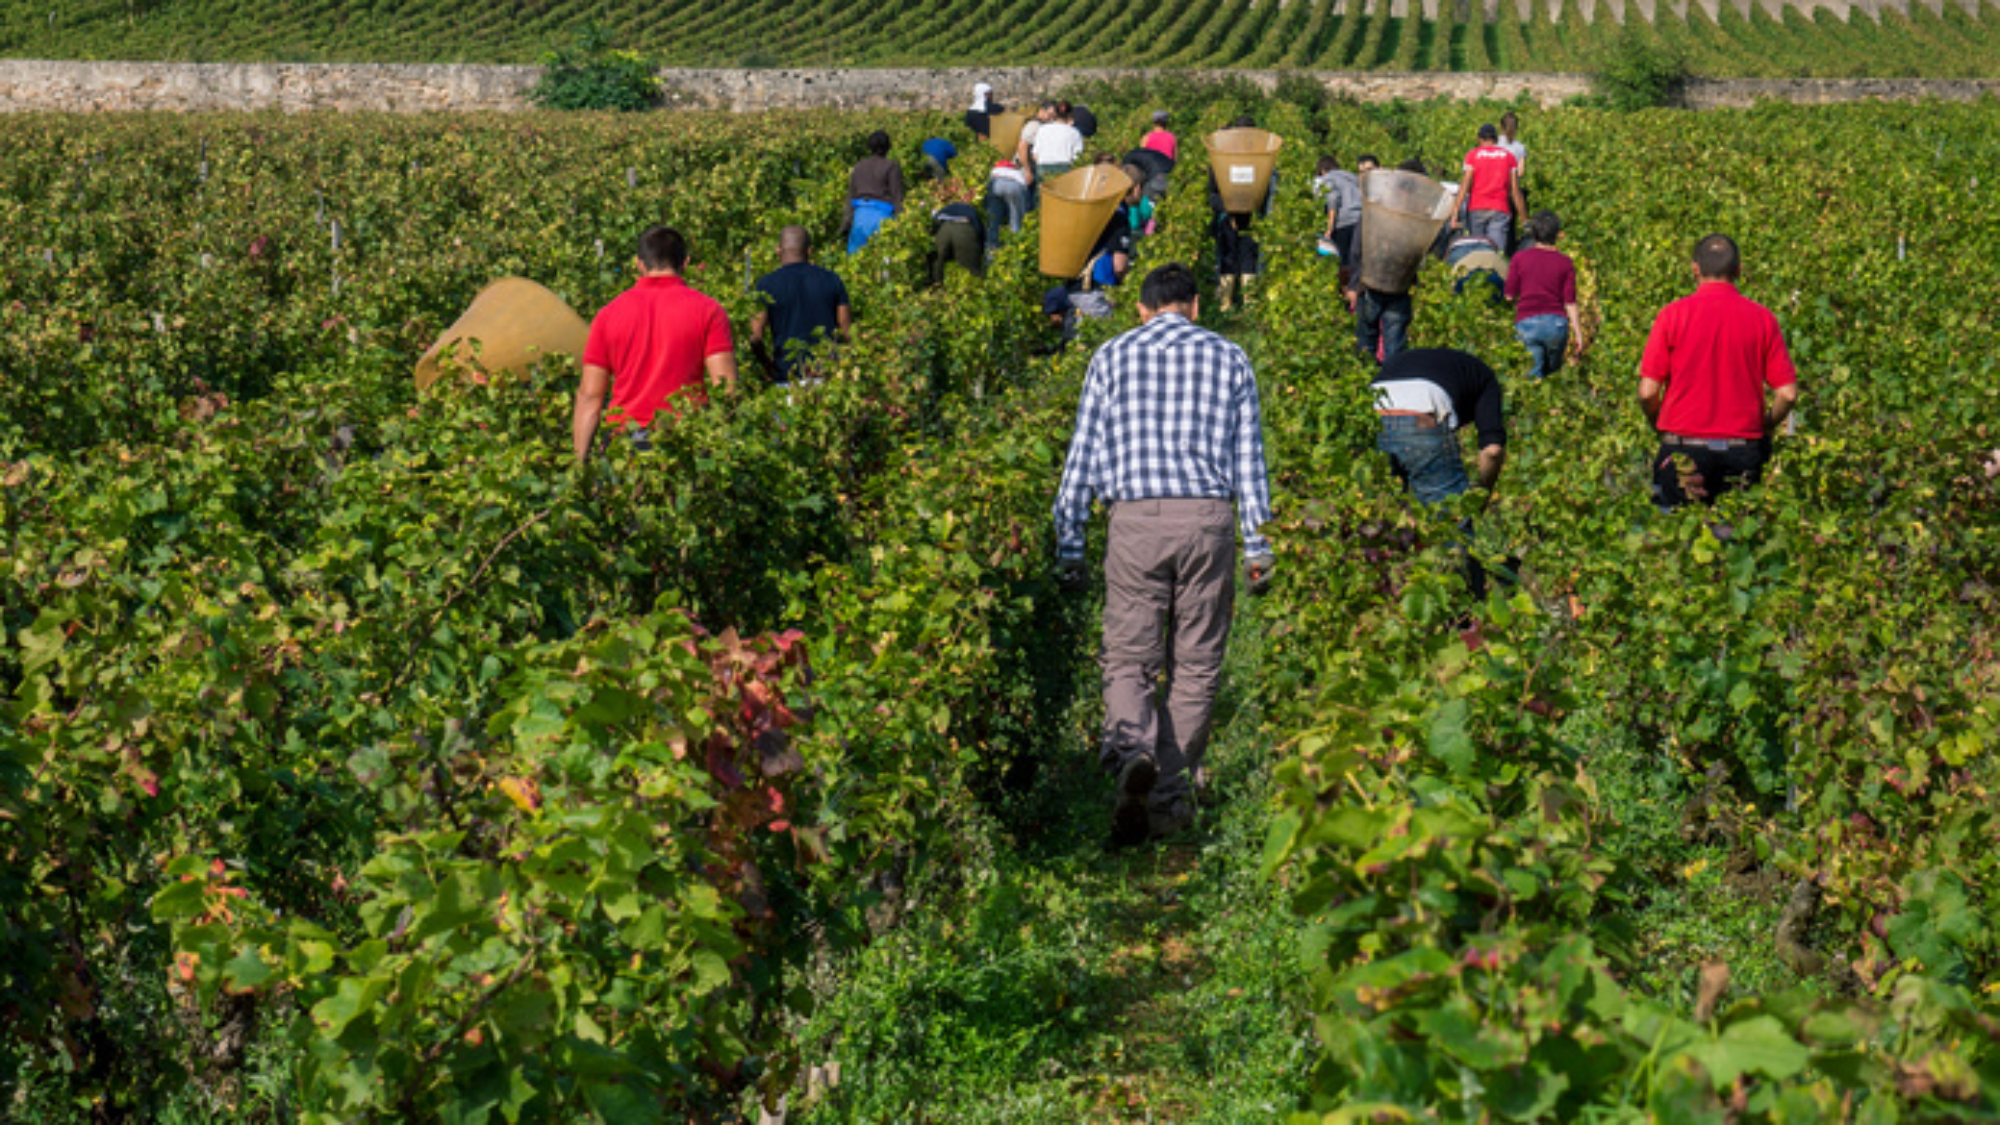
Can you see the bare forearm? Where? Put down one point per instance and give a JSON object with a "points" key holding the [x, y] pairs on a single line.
{"points": [[1491, 459], [583, 427], [1780, 408], [1652, 396], [721, 369]]}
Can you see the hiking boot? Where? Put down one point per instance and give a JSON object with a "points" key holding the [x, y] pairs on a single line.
{"points": [[1137, 775], [1131, 824], [1171, 818]]}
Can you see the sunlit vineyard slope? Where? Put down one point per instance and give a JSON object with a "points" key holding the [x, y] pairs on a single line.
{"points": [[1302, 34]]}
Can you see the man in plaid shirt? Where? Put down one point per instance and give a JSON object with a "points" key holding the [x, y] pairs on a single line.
{"points": [[1169, 436]]}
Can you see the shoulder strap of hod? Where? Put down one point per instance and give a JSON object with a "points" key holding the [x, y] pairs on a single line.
{"points": [[1089, 278]]}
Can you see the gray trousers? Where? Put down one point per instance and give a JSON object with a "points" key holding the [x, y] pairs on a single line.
{"points": [[1006, 203], [1495, 226], [1169, 587]]}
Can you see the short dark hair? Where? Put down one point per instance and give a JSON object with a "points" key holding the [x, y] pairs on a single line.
{"points": [[663, 248], [1368, 158], [1064, 109], [1244, 122], [878, 143], [1545, 226], [1716, 256], [1326, 164], [1171, 284], [1413, 165]]}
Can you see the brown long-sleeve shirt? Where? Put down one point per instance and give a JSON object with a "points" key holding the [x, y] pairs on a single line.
{"points": [[876, 177]]}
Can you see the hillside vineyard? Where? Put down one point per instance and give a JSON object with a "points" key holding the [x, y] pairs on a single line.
{"points": [[1887, 39], [366, 759]]}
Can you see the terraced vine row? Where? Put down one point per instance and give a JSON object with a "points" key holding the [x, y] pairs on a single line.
{"points": [[1306, 34]]}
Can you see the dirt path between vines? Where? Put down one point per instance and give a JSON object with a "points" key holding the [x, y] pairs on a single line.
{"points": [[1195, 951]]}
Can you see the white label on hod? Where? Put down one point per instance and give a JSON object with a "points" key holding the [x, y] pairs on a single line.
{"points": [[1242, 174]]}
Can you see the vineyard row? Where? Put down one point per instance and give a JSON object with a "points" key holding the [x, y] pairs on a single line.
{"points": [[1298, 34]]}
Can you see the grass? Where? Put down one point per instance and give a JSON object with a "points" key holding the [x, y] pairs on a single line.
{"points": [[1064, 982]]}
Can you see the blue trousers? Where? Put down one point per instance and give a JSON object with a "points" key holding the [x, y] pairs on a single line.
{"points": [[869, 215], [1382, 318], [1547, 337]]}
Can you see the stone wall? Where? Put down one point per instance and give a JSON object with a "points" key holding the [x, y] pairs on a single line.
{"points": [[948, 88], [27, 85], [1741, 93]]}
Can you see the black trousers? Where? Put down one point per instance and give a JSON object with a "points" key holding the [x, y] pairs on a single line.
{"points": [[1701, 471], [1235, 247], [1343, 242]]}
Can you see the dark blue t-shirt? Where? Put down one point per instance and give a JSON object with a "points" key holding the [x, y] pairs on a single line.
{"points": [[804, 301]]}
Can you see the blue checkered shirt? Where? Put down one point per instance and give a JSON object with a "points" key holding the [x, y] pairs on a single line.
{"points": [[1169, 411]]}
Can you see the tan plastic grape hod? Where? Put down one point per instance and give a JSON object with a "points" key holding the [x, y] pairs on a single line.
{"points": [[1005, 129], [1243, 160], [1401, 214], [1076, 206], [516, 322]]}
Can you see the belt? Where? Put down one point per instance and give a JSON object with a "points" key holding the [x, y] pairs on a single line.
{"points": [[1710, 443], [1423, 420]]}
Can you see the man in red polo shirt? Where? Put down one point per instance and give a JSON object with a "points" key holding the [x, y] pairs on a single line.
{"points": [[654, 346], [1702, 380], [1492, 190]]}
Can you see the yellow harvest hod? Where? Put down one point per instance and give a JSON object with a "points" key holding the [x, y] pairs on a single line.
{"points": [[1243, 161], [1005, 131], [1076, 206], [515, 323]]}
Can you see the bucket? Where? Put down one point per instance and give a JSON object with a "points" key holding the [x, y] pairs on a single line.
{"points": [[516, 322], [1243, 160], [1076, 207], [1005, 131], [1401, 214]]}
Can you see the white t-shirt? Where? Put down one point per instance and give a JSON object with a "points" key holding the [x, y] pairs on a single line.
{"points": [[1519, 150], [1417, 396], [1058, 142]]}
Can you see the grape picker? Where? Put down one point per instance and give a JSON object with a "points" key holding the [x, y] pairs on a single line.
{"points": [[1169, 435]]}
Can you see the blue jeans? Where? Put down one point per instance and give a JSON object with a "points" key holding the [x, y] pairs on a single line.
{"points": [[1006, 204], [1425, 458], [1384, 318], [869, 215], [1546, 336], [1487, 277], [1494, 226]]}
